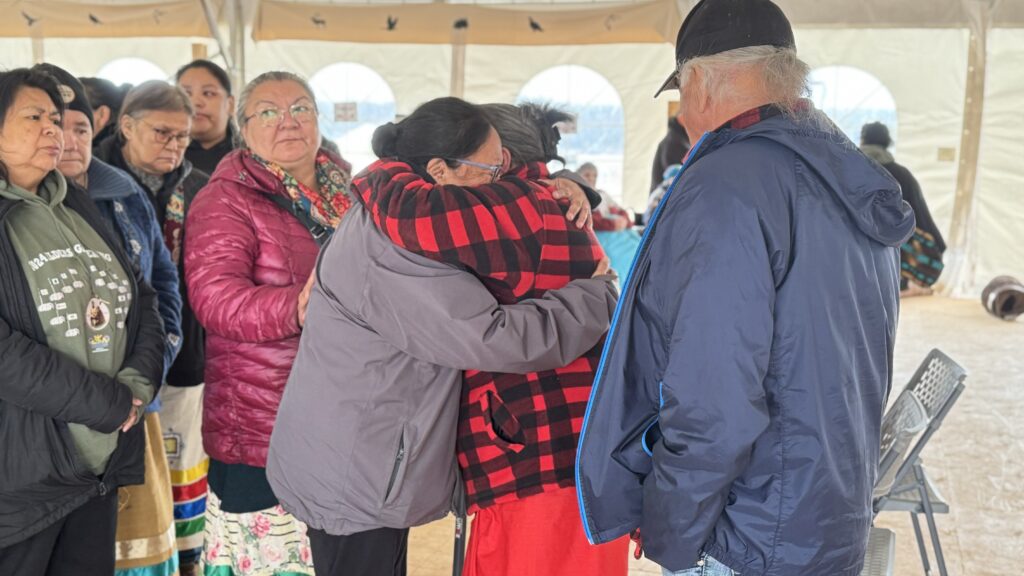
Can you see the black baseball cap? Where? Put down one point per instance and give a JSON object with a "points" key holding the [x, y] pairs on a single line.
{"points": [[716, 26]]}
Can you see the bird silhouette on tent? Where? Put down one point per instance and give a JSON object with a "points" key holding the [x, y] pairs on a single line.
{"points": [[461, 24], [94, 19], [392, 22], [28, 19], [534, 25], [318, 21]]}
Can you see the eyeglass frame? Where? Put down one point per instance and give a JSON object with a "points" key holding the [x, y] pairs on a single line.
{"points": [[290, 111], [182, 138], [495, 169]]}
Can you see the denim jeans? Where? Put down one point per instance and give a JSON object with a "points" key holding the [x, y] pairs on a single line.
{"points": [[706, 566]]}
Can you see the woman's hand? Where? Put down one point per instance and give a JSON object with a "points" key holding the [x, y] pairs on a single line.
{"points": [[304, 298], [579, 205], [133, 415]]}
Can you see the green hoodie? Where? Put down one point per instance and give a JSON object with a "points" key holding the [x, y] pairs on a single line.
{"points": [[82, 293]]}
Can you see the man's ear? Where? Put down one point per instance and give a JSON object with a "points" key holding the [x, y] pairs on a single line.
{"points": [[101, 116]]}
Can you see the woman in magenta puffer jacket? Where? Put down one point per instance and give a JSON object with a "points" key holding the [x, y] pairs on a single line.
{"points": [[247, 261]]}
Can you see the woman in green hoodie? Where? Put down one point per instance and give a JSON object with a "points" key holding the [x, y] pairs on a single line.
{"points": [[81, 350]]}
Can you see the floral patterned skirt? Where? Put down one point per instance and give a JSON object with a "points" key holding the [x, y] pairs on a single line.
{"points": [[270, 542]]}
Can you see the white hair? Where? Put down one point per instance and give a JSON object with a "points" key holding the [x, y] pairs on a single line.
{"points": [[783, 74]]}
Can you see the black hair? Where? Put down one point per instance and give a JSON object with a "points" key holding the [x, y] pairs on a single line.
{"points": [[217, 72], [528, 131], [11, 82], [446, 128], [876, 134], [103, 92]]}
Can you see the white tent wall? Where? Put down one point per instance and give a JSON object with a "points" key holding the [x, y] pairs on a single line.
{"points": [[15, 52], [416, 73], [999, 216], [927, 85]]}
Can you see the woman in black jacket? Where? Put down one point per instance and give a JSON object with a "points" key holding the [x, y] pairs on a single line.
{"points": [[81, 350]]}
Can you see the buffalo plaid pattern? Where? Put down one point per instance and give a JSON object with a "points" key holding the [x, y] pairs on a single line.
{"points": [[517, 432]]}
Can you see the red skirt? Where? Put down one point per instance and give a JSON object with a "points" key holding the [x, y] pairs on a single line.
{"points": [[541, 535]]}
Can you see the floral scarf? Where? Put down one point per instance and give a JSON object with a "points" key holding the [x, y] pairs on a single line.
{"points": [[328, 204]]}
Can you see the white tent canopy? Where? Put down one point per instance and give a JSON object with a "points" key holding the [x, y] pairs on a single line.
{"points": [[954, 70]]}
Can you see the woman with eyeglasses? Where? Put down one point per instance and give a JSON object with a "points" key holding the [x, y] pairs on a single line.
{"points": [[253, 238], [153, 132]]}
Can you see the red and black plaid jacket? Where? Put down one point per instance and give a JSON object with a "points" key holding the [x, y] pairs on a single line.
{"points": [[517, 432]]}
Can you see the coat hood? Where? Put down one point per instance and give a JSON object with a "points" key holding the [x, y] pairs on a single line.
{"points": [[869, 194]]}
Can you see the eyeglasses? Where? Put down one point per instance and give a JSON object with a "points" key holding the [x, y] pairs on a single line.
{"points": [[494, 169], [270, 117], [163, 136]]}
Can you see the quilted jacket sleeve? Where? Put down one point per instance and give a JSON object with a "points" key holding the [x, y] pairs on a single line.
{"points": [[220, 256]]}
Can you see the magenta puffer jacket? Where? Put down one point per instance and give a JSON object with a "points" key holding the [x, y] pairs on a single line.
{"points": [[246, 261]]}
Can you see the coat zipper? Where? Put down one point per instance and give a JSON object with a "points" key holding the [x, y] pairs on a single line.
{"points": [[398, 463]]}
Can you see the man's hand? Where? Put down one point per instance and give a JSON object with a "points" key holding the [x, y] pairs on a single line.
{"points": [[579, 205], [603, 267], [133, 415], [304, 297]]}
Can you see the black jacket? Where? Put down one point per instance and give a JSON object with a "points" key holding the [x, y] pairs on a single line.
{"points": [[671, 150], [188, 368], [41, 480]]}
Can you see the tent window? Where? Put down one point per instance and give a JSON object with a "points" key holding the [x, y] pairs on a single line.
{"points": [[852, 97], [353, 100], [133, 71], [600, 122]]}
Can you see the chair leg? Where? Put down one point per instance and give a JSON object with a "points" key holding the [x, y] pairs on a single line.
{"points": [[929, 515], [920, 544]]}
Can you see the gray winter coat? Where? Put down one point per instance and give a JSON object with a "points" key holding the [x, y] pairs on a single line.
{"points": [[365, 435]]}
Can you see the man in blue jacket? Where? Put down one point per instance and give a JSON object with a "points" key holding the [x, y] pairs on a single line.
{"points": [[735, 416]]}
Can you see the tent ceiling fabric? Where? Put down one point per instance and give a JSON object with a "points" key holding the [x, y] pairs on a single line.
{"points": [[523, 25], [896, 13], [45, 19]]}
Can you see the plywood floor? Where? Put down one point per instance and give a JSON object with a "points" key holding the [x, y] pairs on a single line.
{"points": [[976, 459]]}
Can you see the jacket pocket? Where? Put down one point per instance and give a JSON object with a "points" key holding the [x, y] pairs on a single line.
{"points": [[634, 452], [502, 427], [398, 468]]}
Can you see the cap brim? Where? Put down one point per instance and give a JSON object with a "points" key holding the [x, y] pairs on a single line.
{"points": [[671, 83]]}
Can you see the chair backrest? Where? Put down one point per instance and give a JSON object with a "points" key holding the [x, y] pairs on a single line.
{"points": [[901, 425], [923, 404], [935, 381]]}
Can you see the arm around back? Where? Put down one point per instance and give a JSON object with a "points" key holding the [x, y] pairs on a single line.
{"points": [[447, 317]]}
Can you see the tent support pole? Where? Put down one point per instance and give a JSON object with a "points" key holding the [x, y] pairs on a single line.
{"points": [[960, 253], [458, 84]]}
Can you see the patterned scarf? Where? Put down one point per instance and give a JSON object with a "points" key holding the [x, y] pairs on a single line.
{"points": [[327, 204], [174, 212]]}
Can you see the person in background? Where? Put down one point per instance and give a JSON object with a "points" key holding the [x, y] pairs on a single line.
{"points": [[153, 132], [875, 142], [736, 417], [145, 525], [81, 350], [613, 225], [253, 238], [671, 150], [213, 132], [106, 99], [668, 178]]}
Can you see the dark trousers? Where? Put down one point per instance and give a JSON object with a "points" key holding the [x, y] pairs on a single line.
{"points": [[380, 552], [81, 543]]}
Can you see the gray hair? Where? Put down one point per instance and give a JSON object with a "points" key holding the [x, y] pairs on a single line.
{"points": [[783, 74], [155, 96], [275, 76], [528, 131]]}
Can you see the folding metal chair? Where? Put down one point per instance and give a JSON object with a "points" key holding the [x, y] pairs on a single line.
{"points": [[903, 485]]}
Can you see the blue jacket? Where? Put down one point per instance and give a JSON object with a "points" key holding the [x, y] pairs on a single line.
{"points": [[123, 204], [737, 407]]}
